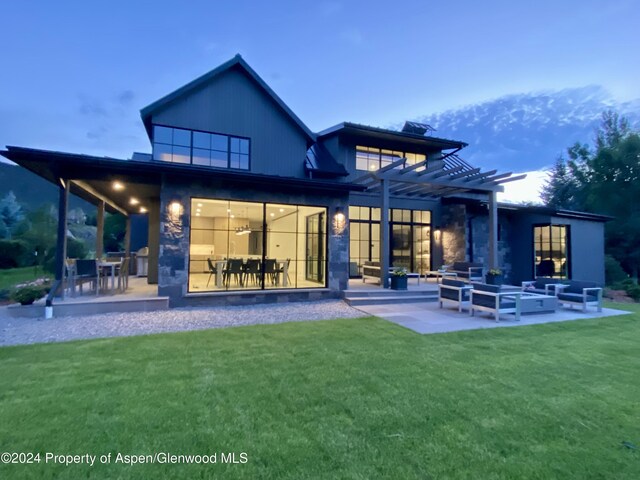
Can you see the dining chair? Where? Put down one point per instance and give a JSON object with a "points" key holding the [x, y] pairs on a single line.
{"points": [[282, 269], [212, 270], [252, 270], [234, 267], [271, 270], [123, 275]]}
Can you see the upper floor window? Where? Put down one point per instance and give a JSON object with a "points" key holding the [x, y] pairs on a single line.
{"points": [[179, 145], [371, 159]]}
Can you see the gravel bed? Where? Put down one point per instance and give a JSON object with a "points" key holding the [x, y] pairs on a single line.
{"points": [[21, 331]]}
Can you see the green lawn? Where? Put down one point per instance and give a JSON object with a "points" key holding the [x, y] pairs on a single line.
{"points": [[337, 399], [13, 276]]}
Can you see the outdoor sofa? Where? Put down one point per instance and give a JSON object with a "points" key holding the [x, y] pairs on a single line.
{"points": [[469, 271], [494, 299], [584, 294], [541, 286], [454, 291]]}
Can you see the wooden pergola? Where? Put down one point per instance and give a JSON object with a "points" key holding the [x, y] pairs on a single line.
{"points": [[432, 178]]}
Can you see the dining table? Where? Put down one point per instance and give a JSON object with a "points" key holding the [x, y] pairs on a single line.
{"points": [[111, 265]]}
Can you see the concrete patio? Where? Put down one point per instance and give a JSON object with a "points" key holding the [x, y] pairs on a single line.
{"points": [[427, 318]]}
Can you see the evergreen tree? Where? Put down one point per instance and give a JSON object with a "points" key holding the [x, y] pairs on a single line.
{"points": [[10, 213]]}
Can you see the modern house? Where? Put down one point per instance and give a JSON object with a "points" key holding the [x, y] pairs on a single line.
{"points": [[242, 202]]}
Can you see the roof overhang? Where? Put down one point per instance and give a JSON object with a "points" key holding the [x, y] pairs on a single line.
{"points": [[146, 177]]}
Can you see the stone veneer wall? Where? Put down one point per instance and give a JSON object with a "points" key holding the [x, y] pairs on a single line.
{"points": [[454, 234], [173, 267]]}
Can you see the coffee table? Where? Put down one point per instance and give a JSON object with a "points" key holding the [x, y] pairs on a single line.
{"points": [[532, 303]]}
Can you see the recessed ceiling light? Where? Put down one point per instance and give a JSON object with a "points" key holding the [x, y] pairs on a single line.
{"points": [[197, 214], [228, 210], [281, 210], [134, 201], [233, 216], [118, 186], [198, 210], [143, 210], [199, 204], [273, 214]]}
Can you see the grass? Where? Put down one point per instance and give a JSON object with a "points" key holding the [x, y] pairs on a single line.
{"points": [[354, 399], [14, 276]]}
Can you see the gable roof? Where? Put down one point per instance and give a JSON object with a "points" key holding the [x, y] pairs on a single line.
{"points": [[147, 112]]}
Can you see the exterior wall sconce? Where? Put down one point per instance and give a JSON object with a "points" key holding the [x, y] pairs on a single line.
{"points": [[175, 211], [437, 233], [339, 222]]}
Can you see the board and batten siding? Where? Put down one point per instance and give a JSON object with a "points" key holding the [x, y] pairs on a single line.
{"points": [[233, 104]]}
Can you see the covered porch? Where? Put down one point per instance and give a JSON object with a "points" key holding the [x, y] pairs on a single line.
{"points": [[112, 186], [438, 178]]}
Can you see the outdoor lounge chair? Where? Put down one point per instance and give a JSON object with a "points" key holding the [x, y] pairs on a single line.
{"points": [[495, 300], [454, 291], [585, 294], [469, 271]]}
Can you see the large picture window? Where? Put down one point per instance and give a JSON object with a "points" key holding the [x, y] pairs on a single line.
{"points": [[410, 243], [551, 251], [371, 159], [250, 245], [179, 145]]}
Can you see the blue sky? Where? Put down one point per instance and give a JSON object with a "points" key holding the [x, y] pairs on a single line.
{"points": [[77, 73]]}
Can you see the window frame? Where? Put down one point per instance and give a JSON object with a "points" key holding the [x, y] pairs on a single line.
{"points": [[388, 153], [191, 148], [567, 249], [265, 236]]}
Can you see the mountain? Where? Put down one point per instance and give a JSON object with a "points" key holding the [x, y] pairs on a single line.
{"points": [[30, 190], [528, 131]]}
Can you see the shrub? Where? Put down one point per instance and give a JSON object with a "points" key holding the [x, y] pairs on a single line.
{"points": [[75, 249], [634, 291], [13, 253], [613, 271], [28, 294]]}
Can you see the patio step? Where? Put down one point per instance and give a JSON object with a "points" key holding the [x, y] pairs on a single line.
{"points": [[388, 297]]}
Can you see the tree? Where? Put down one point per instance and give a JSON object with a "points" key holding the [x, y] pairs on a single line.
{"points": [[10, 213], [561, 188], [605, 181]]}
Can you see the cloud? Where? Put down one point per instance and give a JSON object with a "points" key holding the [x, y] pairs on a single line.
{"points": [[125, 97], [92, 108]]}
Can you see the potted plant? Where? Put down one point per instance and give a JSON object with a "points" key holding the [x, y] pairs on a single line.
{"points": [[494, 277], [399, 279], [28, 294]]}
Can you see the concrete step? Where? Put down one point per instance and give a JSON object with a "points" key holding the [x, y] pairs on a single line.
{"points": [[390, 300], [386, 292]]}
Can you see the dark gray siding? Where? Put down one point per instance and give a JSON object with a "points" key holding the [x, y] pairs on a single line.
{"points": [[233, 104], [587, 250], [586, 246]]}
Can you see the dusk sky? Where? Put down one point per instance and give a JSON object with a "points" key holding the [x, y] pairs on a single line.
{"points": [[76, 74]]}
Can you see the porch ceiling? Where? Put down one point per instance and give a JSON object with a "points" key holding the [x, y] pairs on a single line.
{"points": [[447, 176]]}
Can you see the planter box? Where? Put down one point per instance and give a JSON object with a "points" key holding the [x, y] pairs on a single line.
{"points": [[398, 283], [494, 279]]}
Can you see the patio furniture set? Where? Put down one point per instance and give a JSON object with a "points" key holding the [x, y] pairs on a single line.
{"points": [[532, 297], [109, 275], [250, 271]]}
